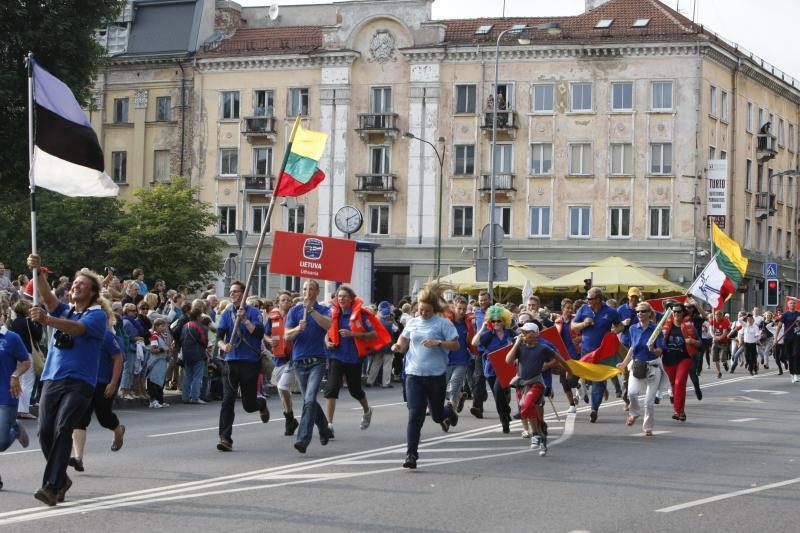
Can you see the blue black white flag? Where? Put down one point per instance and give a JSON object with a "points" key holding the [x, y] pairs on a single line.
{"points": [[67, 157]]}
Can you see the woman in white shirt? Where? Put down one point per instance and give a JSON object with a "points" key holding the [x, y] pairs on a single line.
{"points": [[750, 334]]}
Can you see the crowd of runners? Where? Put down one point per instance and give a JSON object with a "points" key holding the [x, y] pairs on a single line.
{"points": [[96, 338]]}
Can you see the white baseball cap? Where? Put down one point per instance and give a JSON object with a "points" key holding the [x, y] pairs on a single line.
{"points": [[530, 326]]}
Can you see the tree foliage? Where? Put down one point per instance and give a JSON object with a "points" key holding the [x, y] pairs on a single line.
{"points": [[164, 233]]}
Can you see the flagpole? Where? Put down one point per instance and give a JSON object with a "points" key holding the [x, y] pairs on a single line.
{"points": [[264, 225], [29, 65]]}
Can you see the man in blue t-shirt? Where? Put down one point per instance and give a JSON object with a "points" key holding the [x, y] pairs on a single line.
{"points": [[458, 360], [306, 325], [593, 321], [241, 347], [479, 394], [70, 371], [791, 345], [14, 361]]}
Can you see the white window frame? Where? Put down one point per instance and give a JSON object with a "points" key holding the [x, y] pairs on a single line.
{"points": [[625, 151], [791, 137], [380, 208], [230, 105], [269, 103], [295, 219], [471, 228], [163, 113], [723, 106], [120, 111], [466, 161], [661, 170], [260, 280], [543, 87], [510, 87], [469, 104], [295, 97], [614, 86], [582, 146], [380, 96], [759, 231], [789, 192], [748, 175], [386, 159], [223, 152], [269, 161], [160, 154], [503, 164], [657, 84], [618, 211], [585, 211], [536, 212], [749, 117], [538, 165], [781, 132], [656, 210], [747, 231], [712, 101], [259, 208], [507, 222], [582, 85], [119, 166], [228, 213]]}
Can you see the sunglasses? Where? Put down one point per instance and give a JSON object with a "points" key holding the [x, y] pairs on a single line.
{"points": [[639, 312], [497, 321]]}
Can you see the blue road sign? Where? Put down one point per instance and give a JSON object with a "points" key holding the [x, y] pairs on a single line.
{"points": [[771, 270]]}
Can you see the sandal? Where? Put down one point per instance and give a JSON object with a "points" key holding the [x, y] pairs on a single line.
{"points": [[118, 442], [631, 420]]}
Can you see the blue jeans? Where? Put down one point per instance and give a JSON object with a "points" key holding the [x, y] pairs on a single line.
{"points": [[9, 428], [128, 364], [192, 378], [598, 390], [309, 373], [423, 392]]}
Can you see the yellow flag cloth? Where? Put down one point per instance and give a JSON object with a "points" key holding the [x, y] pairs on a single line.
{"points": [[592, 372]]}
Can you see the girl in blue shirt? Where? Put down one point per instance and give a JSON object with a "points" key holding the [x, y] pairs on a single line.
{"points": [[494, 334]]}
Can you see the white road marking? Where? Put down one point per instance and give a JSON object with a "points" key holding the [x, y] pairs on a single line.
{"points": [[21, 451], [743, 420], [216, 428], [654, 433], [379, 405], [772, 392], [728, 495]]}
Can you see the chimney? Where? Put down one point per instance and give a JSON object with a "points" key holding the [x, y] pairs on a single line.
{"points": [[228, 17], [592, 4]]}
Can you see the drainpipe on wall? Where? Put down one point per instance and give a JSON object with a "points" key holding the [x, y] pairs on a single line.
{"points": [[183, 116]]}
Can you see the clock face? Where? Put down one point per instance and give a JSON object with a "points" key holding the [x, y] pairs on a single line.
{"points": [[348, 219]]}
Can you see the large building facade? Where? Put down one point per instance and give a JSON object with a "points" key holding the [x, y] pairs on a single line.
{"points": [[605, 125]]}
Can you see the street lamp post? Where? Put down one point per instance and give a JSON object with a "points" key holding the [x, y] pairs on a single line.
{"points": [[440, 158], [553, 28], [790, 172]]}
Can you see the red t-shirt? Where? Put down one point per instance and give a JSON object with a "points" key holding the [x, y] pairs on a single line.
{"points": [[719, 326]]}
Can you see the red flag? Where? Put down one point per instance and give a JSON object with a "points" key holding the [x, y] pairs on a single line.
{"points": [[608, 348], [552, 336], [505, 371], [658, 303], [786, 304]]}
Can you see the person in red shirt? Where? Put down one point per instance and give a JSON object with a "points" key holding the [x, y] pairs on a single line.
{"points": [[720, 350]]}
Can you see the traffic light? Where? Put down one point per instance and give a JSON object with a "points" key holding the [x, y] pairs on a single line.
{"points": [[587, 284], [773, 288]]}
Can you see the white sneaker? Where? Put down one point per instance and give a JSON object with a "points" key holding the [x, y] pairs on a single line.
{"points": [[366, 418], [572, 409], [152, 404], [795, 378], [535, 442], [165, 404], [157, 405], [526, 434]]}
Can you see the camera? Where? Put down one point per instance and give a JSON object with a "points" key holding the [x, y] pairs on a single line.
{"points": [[63, 340]]}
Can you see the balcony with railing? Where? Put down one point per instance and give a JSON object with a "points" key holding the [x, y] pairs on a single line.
{"points": [[375, 184], [766, 147], [506, 119], [260, 128], [378, 124], [503, 183], [258, 183], [765, 204]]}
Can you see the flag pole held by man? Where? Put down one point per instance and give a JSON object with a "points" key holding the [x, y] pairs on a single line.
{"points": [[723, 274]]}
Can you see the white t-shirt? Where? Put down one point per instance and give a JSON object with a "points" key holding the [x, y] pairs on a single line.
{"points": [[751, 334]]}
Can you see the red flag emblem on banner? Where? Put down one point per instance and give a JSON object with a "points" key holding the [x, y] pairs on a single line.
{"points": [[309, 256]]}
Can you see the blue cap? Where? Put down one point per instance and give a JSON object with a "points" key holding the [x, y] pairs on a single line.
{"points": [[385, 308]]}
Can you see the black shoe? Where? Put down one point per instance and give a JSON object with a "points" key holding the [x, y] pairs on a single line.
{"points": [[477, 412], [461, 403], [676, 416], [445, 425], [671, 399], [410, 462], [719, 375], [699, 394], [454, 419], [593, 417], [300, 446], [325, 435], [264, 413], [46, 496], [619, 394], [224, 445], [657, 400], [506, 429], [517, 416], [291, 425], [725, 366], [62, 493], [76, 463]]}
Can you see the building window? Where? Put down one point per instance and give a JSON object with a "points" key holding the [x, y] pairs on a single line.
{"points": [[620, 223], [759, 230], [712, 153], [465, 99], [230, 105], [503, 159], [163, 108], [781, 132], [119, 165], [788, 245], [378, 219], [228, 162], [120, 110], [723, 104], [502, 216], [298, 102], [748, 175], [580, 159], [661, 158], [465, 160], [258, 214], [659, 222], [579, 222], [760, 117], [723, 155], [622, 159], [662, 96], [780, 190], [622, 96], [462, 221], [789, 187], [263, 103], [262, 161], [760, 178], [296, 219], [161, 165], [227, 220], [540, 222], [503, 96], [580, 97], [541, 159], [749, 117], [291, 283], [747, 234], [543, 98], [712, 101], [381, 99], [778, 242], [791, 137], [260, 280], [379, 160], [769, 239]]}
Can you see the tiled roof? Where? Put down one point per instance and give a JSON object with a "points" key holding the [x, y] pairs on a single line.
{"points": [[265, 41], [664, 23]]}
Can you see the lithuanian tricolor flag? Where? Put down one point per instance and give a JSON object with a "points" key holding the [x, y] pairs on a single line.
{"points": [[300, 173], [723, 274]]}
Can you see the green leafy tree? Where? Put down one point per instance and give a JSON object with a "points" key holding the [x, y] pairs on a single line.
{"points": [[164, 233]]}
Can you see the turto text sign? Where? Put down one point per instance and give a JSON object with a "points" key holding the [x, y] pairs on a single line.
{"points": [[717, 187]]}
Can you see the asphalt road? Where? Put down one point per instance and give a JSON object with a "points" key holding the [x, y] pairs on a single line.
{"points": [[733, 466]]}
